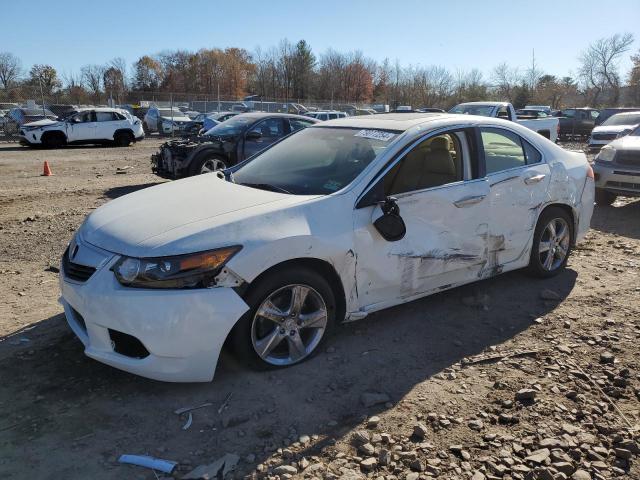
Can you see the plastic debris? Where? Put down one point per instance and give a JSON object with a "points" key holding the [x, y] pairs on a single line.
{"points": [[189, 422], [159, 464], [221, 466], [180, 411], [225, 403]]}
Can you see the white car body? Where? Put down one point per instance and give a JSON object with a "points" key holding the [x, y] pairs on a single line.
{"points": [[456, 234], [605, 133], [166, 121], [102, 125], [547, 127]]}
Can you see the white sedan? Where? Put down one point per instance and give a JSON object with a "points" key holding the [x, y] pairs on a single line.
{"points": [[337, 221]]}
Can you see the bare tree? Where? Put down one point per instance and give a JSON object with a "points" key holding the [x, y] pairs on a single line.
{"points": [[10, 69], [506, 79], [92, 76], [599, 65]]}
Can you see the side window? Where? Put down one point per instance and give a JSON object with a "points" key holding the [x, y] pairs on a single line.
{"points": [[434, 162], [322, 116], [119, 116], [333, 116], [105, 117], [594, 114], [269, 128], [297, 124], [504, 150], [503, 112], [86, 117], [570, 113]]}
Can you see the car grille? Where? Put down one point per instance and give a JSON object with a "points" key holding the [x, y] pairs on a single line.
{"points": [[75, 271], [604, 136], [628, 158], [624, 185]]}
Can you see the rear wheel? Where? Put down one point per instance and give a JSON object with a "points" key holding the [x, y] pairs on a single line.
{"points": [[551, 243], [604, 197], [123, 139], [291, 314], [207, 163]]}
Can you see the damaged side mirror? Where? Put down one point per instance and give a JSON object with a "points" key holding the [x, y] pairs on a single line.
{"points": [[390, 225]]}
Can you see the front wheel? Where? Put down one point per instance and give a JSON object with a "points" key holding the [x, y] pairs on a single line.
{"points": [[123, 139], [291, 314], [604, 197], [551, 243], [207, 164]]}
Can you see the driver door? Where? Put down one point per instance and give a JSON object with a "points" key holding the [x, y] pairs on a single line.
{"points": [[82, 126], [444, 207], [263, 134]]}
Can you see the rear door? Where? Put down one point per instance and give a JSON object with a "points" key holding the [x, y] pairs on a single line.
{"points": [[518, 179]]}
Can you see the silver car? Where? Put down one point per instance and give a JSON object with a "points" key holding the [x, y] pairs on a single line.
{"points": [[617, 169]]}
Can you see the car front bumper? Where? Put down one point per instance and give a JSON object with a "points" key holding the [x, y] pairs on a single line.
{"points": [[168, 335], [619, 179]]}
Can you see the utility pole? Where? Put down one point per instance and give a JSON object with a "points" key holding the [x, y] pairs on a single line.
{"points": [[42, 96]]}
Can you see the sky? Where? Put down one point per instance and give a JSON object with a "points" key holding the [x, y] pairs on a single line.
{"points": [[455, 34]]}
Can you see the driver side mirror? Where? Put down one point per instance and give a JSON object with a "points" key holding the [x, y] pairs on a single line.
{"points": [[253, 135], [390, 225]]}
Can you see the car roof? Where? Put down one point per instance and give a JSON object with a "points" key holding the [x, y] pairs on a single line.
{"points": [[485, 103], [394, 121], [626, 114], [258, 115]]}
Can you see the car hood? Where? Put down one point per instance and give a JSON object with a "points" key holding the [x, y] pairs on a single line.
{"points": [[42, 123], [612, 128], [628, 143], [160, 220]]}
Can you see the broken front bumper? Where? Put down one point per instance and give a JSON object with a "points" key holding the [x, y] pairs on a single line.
{"points": [[168, 335]]}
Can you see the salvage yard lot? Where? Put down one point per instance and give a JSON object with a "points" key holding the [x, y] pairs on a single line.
{"points": [[66, 416]]}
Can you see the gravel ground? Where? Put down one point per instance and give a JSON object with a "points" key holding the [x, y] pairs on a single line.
{"points": [[511, 378]]}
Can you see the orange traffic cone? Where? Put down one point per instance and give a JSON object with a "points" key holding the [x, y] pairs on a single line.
{"points": [[47, 171]]}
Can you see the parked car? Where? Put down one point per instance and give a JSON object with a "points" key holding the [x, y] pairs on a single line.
{"points": [[577, 121], [326, 115], [616, 126], [547, 127], [225, 144], [430, 110], [165, 121], [3, 118], [617, 169], [530, 113], [213, 119], [608, 112], [20, 116], [337, 221], [96, 125], [63, 110], [541, 108]]}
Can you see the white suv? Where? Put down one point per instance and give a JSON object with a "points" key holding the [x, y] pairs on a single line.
{"points": [[95, 125]]}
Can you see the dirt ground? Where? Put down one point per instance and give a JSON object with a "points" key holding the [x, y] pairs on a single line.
{"points": [[509, 378]]}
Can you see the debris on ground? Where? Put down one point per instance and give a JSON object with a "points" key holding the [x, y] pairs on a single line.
{"points": [[158, 464]]}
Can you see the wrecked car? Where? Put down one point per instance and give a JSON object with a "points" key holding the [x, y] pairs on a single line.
{"points": [[226, 144], [342, 219]]}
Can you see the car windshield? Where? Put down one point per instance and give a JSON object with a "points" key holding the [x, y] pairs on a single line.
{"points": [[636, 132], [482, 110], [622, 119], [233, 126], [315, 161], [167, 113]]}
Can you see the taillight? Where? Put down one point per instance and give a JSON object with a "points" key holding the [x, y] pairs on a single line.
{"points": [[590, 173]]}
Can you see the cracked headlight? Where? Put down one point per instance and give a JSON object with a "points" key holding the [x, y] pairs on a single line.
{"points": [[193, 270], [607, 154]]}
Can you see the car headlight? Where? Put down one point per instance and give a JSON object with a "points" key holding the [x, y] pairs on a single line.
{"points": [[607, 154], [193, 270]]}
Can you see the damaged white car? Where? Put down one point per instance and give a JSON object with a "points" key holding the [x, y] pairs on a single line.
{"points": [[340, 220]]}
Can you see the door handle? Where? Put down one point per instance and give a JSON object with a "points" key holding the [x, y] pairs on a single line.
{"points": [[534, 179], [468, 201]]}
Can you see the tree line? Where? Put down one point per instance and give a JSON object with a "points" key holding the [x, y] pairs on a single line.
{"points": [[293, 72]]}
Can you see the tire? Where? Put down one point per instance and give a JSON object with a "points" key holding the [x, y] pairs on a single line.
{"points": [[54, 140], [206, 163], [287, 342], [145, 129], [123, 139], [604, 197], [545, 243]]}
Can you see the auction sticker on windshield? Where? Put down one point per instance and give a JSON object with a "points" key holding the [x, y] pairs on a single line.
{"points": [[376, 135]]}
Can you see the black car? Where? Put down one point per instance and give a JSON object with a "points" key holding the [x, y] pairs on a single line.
{"points": [[577, 121], [226, 144], [608, 112]]}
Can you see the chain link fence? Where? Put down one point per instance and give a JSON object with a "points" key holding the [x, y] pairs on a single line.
{"points": [[28, 104]]}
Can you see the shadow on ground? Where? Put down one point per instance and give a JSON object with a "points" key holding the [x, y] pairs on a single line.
{"points": [[64, 414], [116, 192], [623, 218]]}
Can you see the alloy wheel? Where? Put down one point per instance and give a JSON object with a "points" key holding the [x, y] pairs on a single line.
{"points": [[212, 165], [554, 244], [289, 324]]}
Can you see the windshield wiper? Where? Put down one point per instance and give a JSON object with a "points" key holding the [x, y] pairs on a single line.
{"points": [[267, 186]]}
